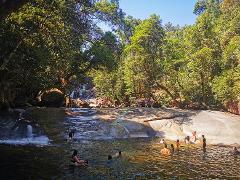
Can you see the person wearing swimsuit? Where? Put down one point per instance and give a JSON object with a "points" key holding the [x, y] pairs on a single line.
{"points": [[165, 150], [75, 159]]}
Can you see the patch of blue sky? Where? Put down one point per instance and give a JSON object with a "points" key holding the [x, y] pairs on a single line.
{"points": [[177, 12]]}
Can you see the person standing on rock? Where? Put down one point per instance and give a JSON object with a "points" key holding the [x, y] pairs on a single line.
{"points": [[194, 137], [177, 144], [204, 143], [187, 140], [172, 149]]}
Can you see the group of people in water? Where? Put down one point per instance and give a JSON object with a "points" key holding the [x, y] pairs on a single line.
{"points": [[165, 151], [187, 140], [190, 140]]}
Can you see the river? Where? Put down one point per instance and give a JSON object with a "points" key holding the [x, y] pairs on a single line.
{"points": [[39, 150]]}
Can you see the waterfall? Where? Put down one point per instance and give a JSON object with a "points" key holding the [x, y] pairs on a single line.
{"points": [[29, 131]]}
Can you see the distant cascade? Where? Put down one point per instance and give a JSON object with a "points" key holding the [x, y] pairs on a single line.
{"points": [[84, 91], [29, 131], [22, 132]]}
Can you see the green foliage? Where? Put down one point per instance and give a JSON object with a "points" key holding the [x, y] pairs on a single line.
{"points": [[106, 72], [206, 5], [227, 86], [200, 7], [42, 45], [37, 39], [128, 29], [49, 44], [194, 64], [231, 54], [142, 64], [104, 83], [105, 52]]}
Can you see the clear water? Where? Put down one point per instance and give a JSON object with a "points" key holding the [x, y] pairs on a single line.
{"points": [[141, 158]]}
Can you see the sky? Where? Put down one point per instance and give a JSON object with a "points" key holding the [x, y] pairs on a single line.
{"points": [[178, 12]]}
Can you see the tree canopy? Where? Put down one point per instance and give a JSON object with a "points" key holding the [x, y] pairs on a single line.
{"points": [[46, 44]]}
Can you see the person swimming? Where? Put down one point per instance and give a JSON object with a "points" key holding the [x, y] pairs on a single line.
{"points": [[75, 159], [172, 148], [204, 143], [165, 150], [109, 157], [162, 141], [117, 155], [71, 134]]}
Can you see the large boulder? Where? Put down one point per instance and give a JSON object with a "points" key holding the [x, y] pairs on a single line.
{"points": [[218, 127], [52, 98]]}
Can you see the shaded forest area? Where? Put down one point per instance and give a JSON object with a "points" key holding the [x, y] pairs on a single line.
{"points": [[56, 44]]}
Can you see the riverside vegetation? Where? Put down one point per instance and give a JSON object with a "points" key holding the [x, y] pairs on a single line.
{"points": [[55, 44]]}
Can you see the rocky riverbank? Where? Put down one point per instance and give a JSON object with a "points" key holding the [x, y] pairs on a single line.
{"points": [[218, 127]]}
